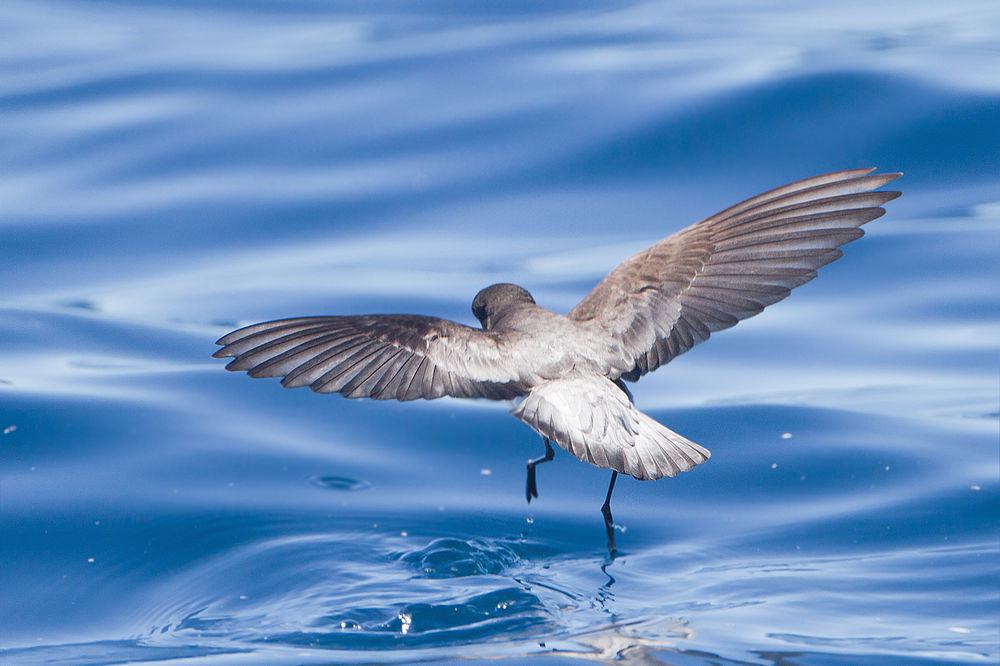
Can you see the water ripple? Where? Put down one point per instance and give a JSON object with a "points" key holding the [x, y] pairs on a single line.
{"points": [[339, 483], [450, 558]]}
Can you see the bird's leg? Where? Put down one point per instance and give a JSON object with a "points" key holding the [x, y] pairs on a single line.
{"points": [[531, 490], [609, 521]]}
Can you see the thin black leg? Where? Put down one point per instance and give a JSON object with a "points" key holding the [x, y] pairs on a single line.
{"points": [[609, 521], [531, 488]]}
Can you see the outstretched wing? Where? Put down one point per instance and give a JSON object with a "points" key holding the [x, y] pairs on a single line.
{"points": [[401, 357], [593, 419], [664, 300]]}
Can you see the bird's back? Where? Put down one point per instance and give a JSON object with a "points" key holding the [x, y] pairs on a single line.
{"points": [[550, 345]]}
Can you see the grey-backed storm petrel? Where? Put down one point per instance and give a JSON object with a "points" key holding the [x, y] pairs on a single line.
{"points": [[568, 372]]}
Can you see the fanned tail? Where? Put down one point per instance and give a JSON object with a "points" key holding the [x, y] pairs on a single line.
{"points": [[593, 419], [671, 453]]}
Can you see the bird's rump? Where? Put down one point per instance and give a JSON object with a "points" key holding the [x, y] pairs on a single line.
{"points": [[594, 420], [664, 300], [401, 357]]}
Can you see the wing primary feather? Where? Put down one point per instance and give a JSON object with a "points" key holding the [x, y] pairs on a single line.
{"points": [[819, 222], [840, 202], [416, 383], [406, 374], [360, 386], [309, 371], [333, 379], [283, 362], [386, 386], [254, 328], [798, 185], [841, 187], [273, 348], [259, 339]]}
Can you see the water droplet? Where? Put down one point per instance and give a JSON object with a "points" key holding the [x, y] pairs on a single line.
{"points": [[9, 429], [91, 560], [406, 621], [774, 465], [404, 534], [786, 435], [486, 471], [975, 486]]}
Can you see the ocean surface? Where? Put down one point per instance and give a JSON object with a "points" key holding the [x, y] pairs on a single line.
{"points": [[170, 170]]}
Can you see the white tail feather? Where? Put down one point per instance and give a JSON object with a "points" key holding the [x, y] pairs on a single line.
{"points": [[593, 419]]}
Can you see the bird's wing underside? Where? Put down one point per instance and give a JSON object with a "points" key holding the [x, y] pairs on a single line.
{"points": [[593, 419], [664, 300], [401, 357]]}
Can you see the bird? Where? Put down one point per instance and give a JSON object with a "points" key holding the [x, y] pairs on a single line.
{"points": [[569, 374]]}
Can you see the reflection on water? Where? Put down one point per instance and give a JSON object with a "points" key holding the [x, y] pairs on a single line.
{"points": [[175, 169]]}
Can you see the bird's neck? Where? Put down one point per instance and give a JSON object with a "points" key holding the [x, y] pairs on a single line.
{"points": [[514, 315]]}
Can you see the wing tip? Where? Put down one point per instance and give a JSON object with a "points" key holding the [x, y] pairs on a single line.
{"points": [[867, 170], [889, 176], [840, 174], [232, 336], [861, 173]]}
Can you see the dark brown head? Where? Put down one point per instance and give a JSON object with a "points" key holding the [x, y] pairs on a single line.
{"points": [[494, 300]]}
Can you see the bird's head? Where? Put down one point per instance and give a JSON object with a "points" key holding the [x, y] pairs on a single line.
{"points": [[494, 300]]}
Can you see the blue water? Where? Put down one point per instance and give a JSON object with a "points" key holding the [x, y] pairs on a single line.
{"points": [[173, 169]]}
